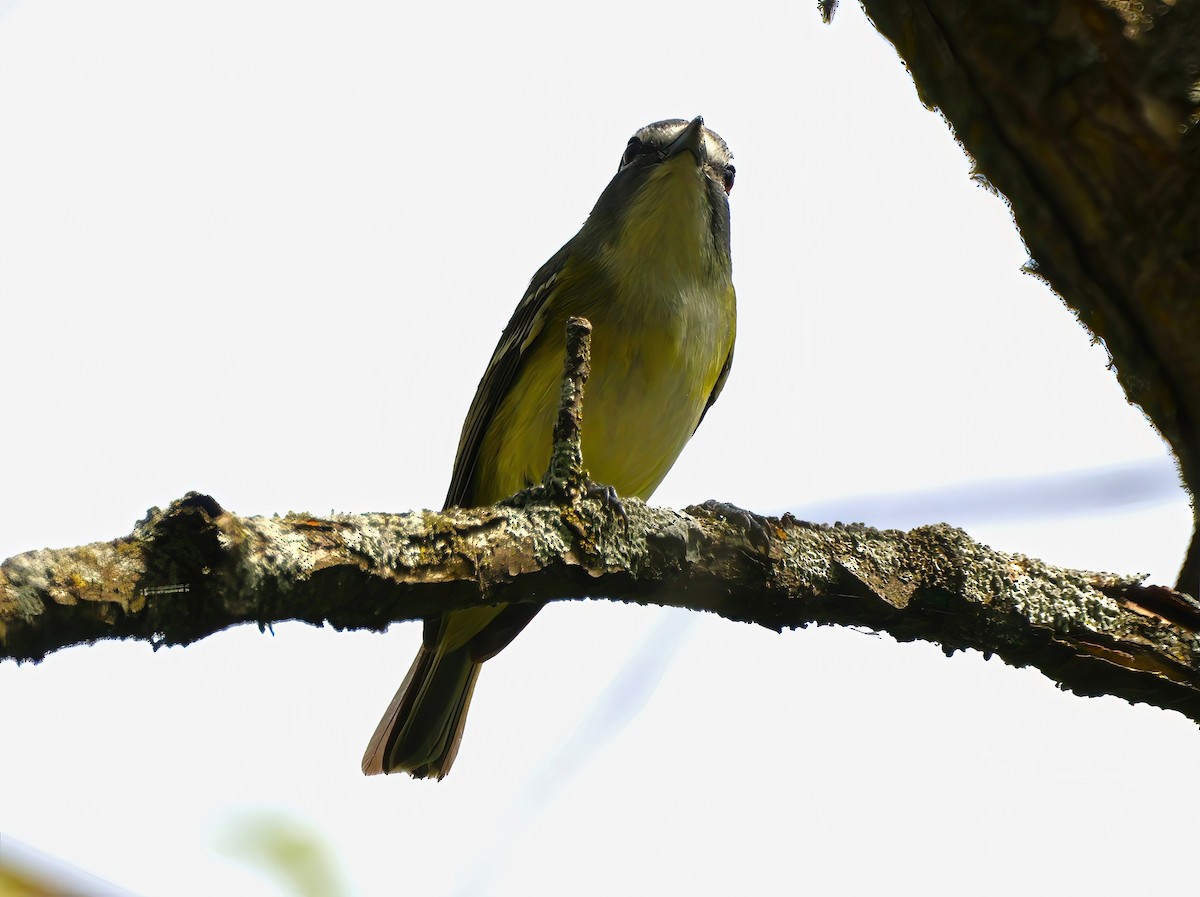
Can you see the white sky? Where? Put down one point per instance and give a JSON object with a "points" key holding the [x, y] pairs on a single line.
{"points": [[264, 250]]}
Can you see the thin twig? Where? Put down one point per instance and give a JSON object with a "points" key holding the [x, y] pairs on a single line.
{"points": [[565, 477]]}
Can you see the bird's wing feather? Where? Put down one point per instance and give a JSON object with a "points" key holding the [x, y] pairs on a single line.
{"points": [[721, 377], [526, 323]]}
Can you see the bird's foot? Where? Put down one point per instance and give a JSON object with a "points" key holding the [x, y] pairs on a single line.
{"points": [[607, 496], [760, 529], [570, 492]]}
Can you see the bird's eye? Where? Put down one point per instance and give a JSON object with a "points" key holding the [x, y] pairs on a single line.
{"points": [[638, 147], [730, 171], [633, 149]]}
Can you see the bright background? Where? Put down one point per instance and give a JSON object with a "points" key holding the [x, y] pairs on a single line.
{"points": [[264, 250]]}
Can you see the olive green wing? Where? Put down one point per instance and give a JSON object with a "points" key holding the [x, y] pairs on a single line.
{"points": [[724, 375], [526, 323]]}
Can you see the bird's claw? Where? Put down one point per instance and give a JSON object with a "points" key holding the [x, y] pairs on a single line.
{"points": [[760, 529], [608, 497], [567, 493]]}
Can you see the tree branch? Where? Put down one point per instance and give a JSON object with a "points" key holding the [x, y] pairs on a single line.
{"points": [[194, 569], [1083, 114]]}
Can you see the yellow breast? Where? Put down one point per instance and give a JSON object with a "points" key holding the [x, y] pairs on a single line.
{"points": [[662, 308]]}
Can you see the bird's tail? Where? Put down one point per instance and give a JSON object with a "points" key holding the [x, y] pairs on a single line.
{"points": [[421, 730]]}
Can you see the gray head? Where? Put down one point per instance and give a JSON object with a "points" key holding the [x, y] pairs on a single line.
{"points": [[639, 193], [660, 139]]}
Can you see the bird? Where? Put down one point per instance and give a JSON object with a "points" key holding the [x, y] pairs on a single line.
{"points": [[651, 269]]}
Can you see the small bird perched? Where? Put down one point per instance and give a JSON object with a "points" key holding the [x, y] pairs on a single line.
{"points": [[651, 270]]}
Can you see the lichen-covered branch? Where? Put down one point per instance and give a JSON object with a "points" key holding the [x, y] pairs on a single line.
{"points": [[1083, 114], [195, 569]]}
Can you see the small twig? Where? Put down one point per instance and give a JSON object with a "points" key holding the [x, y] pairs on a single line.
{"points": [[565, 477]]}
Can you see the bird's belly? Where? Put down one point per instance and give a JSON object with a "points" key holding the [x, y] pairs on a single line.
{"points": [[639, 411], [649, 385]]}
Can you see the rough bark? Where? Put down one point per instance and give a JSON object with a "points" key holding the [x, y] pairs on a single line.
{"points": [[1083, 114], [195, 569]]}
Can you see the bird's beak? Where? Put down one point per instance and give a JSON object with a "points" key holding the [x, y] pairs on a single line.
{"points": [[691, 140]]}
